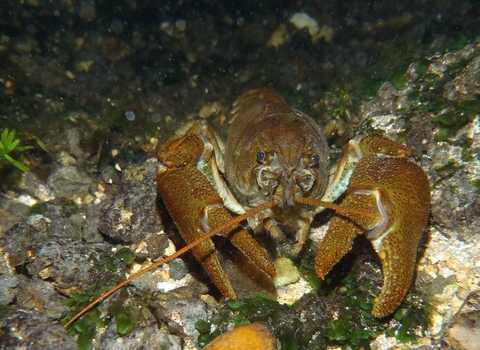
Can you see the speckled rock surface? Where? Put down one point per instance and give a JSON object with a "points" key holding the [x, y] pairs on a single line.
{"points": [[133, 215], [30, 329], [68, 263]]}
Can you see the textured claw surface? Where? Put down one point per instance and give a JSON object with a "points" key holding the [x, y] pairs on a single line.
{"points": [[196, 207], [386, 183]]}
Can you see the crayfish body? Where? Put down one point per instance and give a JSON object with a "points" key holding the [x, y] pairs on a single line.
{"points": [[274, 151]]}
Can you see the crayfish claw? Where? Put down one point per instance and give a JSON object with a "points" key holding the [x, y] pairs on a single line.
{"points": [[205, 254], [196, 208], [396, 190]]}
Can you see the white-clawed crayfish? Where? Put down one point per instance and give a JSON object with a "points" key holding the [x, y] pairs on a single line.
{"points": [[275, 162]]}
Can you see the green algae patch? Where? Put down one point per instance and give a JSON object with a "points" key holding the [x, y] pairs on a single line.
{"points": [[203, 327], [123, 317], [449, 123], [134, 174], [445, 172], [126, 256], [428, 97], [476, 183], [86, 326], [414, 318], [399, 80]]}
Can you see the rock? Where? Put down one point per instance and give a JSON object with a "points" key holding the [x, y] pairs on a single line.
{"points": [[178, 269], [40, 295], [8, 282], [69, 264], [25, 238], [68, 181], [464, 330], [420, 134], [29, 329], [90, 224], [133, 216], [251, 336]]}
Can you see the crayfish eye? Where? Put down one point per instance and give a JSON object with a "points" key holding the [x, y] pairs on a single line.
{"points": [[260, 156], [315, 159]]}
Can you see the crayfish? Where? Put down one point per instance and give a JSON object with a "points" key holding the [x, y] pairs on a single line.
{"points": [[273, 171]]}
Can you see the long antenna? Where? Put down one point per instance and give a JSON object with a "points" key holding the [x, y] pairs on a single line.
{"points": [[338, 208], [236, 220], [220, 228]]}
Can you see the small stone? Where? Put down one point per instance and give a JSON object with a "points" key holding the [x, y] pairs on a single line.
{"points": [[287, 272], [178, 269], [453, 264], [180, 25], [461, 276], [462, 293], [432, 270], [278, 37], [251, 336]]}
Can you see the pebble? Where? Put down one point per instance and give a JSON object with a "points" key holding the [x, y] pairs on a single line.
{"points": [[130, 115]]}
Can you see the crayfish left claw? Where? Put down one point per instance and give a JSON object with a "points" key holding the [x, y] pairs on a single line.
{"points": [[397, 192], [196, 208]]}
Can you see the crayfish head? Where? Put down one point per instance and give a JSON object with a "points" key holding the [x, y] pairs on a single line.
{"points": [[292, 159]]}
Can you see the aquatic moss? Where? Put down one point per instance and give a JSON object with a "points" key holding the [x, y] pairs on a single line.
{"points": [[203, 327], [8, 145], [85, 327], [445, 172], [307, 269], [414, 317], [124, 317], [112, 262], [476, 183], [126, 255]]}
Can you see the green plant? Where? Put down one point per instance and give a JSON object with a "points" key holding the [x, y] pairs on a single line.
{"points": [[343, 98], [9, 143]]}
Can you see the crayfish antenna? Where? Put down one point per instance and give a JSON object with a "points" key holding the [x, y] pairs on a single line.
{"points": [[338, 208], [185, 249]]}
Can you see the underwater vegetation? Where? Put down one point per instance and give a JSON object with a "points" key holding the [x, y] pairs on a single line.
{"points": [[9, 144], [124, 315], [341, 318]]}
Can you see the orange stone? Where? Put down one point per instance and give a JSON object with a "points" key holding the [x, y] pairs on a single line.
{"points": [[251, 336]]}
